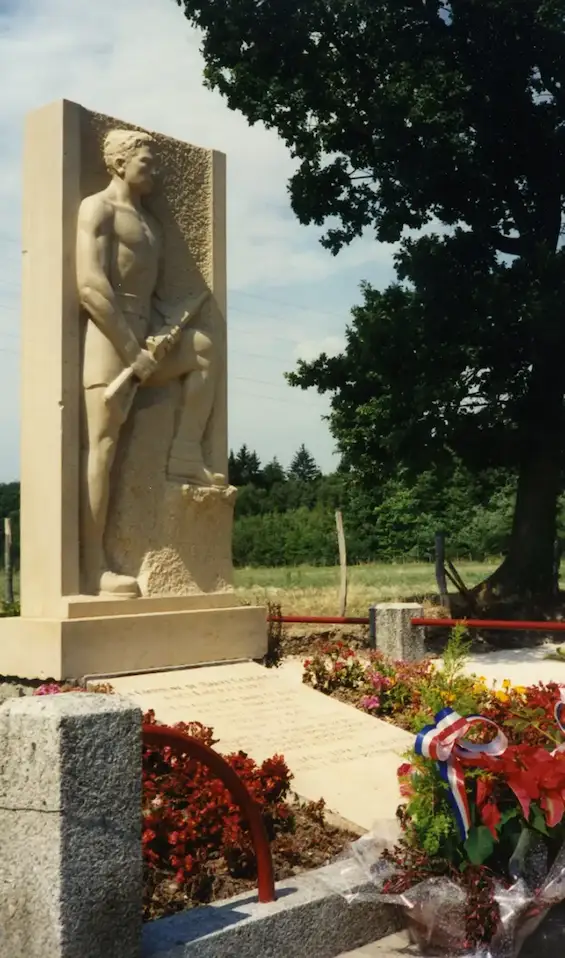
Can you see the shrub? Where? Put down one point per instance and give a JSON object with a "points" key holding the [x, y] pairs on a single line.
{"points": [[192, 830], [190, 822], [406, 693]]}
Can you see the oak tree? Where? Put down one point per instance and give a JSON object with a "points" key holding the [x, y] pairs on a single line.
{"points": [[448, 119]]}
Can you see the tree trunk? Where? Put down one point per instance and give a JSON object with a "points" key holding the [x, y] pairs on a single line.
{"points": [[526, 576], [527, 570]]}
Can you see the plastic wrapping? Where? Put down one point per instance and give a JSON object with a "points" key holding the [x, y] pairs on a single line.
{"points": [[436, 909]]}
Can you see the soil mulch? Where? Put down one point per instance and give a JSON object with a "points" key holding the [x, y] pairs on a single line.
{"points": [[305, 642], [313, 843]]}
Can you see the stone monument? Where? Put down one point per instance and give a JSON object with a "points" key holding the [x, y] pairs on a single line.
{"points": [[126, 509]]}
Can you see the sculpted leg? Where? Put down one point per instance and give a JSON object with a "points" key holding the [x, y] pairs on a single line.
{"points": [[102, 433], [194, 362]]}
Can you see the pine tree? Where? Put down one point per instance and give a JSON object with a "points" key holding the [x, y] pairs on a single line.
{"points": [[303, 466]]}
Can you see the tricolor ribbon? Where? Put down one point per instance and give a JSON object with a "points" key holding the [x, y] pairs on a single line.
{"points": [[444, 743], [559, 713]]}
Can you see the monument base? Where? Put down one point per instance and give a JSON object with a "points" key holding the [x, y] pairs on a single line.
{"points": [[127, 636]]}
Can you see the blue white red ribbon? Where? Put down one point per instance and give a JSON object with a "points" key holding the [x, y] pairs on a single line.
{"points": [[559, 713], [559, 710], [444, 743]]}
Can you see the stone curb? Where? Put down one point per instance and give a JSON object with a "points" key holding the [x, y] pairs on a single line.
{"points": [[309, 919]]}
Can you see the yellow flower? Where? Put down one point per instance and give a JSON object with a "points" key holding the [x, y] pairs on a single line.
{"points": [[520, 689], [507, 684], [482, 679], [449, 697], [502, 696]]}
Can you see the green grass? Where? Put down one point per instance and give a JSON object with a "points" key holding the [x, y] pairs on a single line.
{"points": [[314, 589]]}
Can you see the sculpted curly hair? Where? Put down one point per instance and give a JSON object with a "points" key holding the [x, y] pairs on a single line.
{"points": [[123, 144]]}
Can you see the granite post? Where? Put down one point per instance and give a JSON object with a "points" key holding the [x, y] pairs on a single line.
{"points": [[392, 632], [70, 819]]}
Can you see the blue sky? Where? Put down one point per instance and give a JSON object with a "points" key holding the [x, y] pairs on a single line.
{"points": [[288, 297]]}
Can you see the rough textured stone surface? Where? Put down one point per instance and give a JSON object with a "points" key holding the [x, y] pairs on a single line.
{"points": [[187, 530], [395, 636], [70, 800], [308, 920]]}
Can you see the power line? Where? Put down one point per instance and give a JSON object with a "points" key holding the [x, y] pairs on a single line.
{"points": [[247, 379], [287, 305], [285, 402]]}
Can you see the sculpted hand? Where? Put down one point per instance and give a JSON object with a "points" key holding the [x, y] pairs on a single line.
{"points": [[144, 365]]}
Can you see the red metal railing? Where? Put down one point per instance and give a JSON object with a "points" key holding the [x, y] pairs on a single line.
{"points": [[159, 736], [506, 624], [322, 619], [495, 624]]}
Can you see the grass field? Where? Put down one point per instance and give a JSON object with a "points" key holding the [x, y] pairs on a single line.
{"points": [[315, 590]]}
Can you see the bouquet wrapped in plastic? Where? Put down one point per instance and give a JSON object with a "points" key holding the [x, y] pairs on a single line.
{"points": [[479, 869]]}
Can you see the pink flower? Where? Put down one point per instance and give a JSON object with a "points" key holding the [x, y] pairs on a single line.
{"points": [[371, 702], [48, 689]]}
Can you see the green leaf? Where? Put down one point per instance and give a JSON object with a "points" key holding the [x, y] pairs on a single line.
{"points": [[538, 821], [479, 845], [508, 814]]}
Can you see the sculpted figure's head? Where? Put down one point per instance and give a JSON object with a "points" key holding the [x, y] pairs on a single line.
{"points": [[132, 156]]}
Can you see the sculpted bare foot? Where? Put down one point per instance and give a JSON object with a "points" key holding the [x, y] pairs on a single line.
{"points": [[186, 466], [119, 586]]}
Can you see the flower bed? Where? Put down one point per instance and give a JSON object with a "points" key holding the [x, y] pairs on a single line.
{"points": [[410, 694], [483, 821], [196, 845]]}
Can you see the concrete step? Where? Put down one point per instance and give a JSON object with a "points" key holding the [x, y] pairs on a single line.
{"points": [[309, 919]]}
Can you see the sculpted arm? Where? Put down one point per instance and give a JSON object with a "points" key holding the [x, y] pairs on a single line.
{"points": [[95, 225]]}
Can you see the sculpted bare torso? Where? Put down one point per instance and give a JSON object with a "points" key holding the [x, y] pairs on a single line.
{"points": [[130, 258]]}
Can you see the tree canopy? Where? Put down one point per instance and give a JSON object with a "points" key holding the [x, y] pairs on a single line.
{"points": [[446, 118]]}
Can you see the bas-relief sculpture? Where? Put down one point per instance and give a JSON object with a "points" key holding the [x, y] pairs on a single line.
{"points": [[133, 339]]}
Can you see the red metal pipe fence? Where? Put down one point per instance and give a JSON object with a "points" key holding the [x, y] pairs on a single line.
{"points": [[494, 624], [160, 736], [322, 619]]}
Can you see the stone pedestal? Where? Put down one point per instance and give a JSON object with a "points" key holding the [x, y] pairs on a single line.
{"points": [[70, 812], [174, 539], [128, 636]]}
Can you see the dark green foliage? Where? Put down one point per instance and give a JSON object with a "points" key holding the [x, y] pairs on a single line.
{"points": [[447, 116], [293, 521], [288, 521], [303, 466]]}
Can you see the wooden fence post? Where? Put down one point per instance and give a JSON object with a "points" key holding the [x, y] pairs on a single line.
{"points": [[8, 567], [440, 569], [342, 563]]}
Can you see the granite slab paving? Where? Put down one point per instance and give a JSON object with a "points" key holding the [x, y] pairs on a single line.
{"points": [[335, 751]]}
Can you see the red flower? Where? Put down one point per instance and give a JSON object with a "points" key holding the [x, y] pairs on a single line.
{"points": [[554, 807], [404, 770], [485, 788], [490, 816]]}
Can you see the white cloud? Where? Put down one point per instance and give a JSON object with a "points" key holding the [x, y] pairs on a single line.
{"points": [[139, 60], [309, 349]]}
